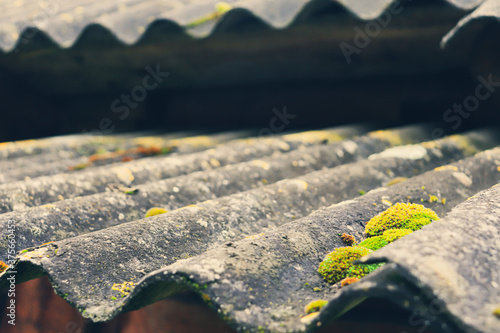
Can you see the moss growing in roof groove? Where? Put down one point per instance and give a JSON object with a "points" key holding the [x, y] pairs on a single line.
{"points": [[418, 224], [400, 216], [389, 236], [393, 234], [155, 211], [374, 243], [336, 264], [315, 306], [358, 271], [124, 288]]}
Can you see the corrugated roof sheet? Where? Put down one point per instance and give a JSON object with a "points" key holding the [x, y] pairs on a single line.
{"points": [[129, 19], [249, 220], [249, 236]]}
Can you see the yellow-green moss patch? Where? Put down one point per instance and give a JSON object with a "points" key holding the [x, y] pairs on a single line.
{"points": [[400, 216], [336, 264], [358, 271], [155, 211], [315, 306]]}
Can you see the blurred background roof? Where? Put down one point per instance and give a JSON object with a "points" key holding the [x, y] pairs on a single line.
{"points": [[63, 21]]}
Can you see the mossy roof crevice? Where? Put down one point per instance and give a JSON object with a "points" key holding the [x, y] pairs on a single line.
{"points": [[454, 262]]}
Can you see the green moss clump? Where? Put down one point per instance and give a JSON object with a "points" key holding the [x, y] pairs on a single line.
{"points": [[417, 224], [394, 234], [155, 211], [389, 236], [400, 216], [336, 264], [374, 243], [315, 306], [358, 271]]}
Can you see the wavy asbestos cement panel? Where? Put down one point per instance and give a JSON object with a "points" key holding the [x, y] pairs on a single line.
{"points": [[264, 280], [64, 21]]}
